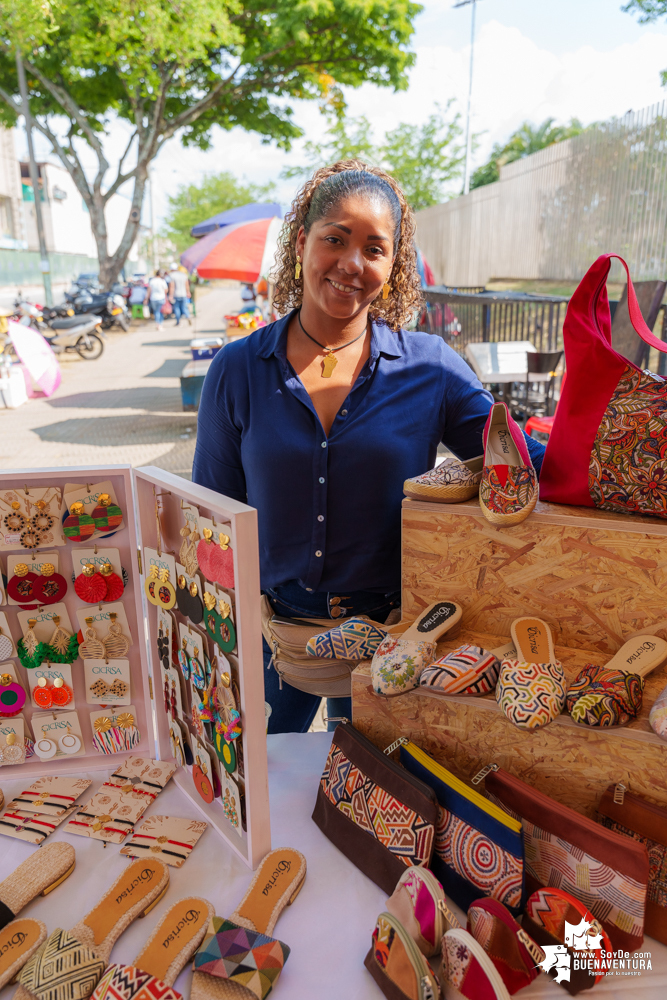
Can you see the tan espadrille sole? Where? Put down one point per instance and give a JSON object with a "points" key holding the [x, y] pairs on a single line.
{"points": [[19, 941], [37, 875], [80, 955]]}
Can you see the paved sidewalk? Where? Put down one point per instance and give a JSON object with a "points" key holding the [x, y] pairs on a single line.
{"points": [[125, 407]]}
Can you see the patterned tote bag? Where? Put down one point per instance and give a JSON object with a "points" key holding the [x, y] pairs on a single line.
{"points": [[608, 445]]}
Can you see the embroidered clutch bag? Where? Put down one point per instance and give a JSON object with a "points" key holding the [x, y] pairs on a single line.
{"points": [[381, 818]]}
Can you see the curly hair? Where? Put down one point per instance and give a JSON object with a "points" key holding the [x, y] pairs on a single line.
{"points": [[315, 200]]}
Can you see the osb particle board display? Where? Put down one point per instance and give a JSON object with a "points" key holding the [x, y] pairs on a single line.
{"points": [[597, 578]]}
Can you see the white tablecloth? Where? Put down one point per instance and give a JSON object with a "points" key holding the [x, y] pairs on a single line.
{"points": [[330, 924]]}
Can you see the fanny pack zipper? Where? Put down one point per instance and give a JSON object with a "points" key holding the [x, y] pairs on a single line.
{"points": [[442, 911], [460, 786]]}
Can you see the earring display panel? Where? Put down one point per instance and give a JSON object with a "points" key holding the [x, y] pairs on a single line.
{"points": [[200, 566], [53, 523]]}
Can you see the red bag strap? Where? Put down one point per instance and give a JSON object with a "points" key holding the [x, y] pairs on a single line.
{"points": [[636, 318]]}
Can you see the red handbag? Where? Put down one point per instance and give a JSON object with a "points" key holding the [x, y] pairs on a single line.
{"points": [[608, 445]]}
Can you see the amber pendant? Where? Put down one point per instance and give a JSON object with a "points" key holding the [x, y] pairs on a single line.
{"points": [[328, 364]]}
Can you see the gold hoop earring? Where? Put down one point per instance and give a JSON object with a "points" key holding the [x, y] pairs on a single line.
{"points": [[385, 290], [297, 269]]}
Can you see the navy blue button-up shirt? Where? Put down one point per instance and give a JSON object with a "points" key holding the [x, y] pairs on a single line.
{"points": [[329, 509]]}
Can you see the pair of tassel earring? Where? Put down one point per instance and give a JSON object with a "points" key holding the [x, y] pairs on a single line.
{"points": [[386, 288]]}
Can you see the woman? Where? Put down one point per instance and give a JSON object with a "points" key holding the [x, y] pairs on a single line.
{"points": [[318, 419], [157, 296]]}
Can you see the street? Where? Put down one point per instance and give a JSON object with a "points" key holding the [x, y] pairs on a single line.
{"points": [[125, 407]]}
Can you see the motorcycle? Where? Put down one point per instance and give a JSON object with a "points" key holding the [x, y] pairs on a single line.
{"points": [[78, 334], [110, 307]]}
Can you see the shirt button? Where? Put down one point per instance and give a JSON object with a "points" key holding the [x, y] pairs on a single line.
{"points": [[344, 412], [309, 589], [324, 444], [320, 517], [318, 553], [321, 479]]}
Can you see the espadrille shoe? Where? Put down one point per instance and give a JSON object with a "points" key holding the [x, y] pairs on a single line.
{"points": [[468, 670], [354, 639], [508, 491], [612, 695], [531, 688], [400, 659], [238, 958], [36, 876], [450, 482], [19, 941], [71, 963], [168, 950]]}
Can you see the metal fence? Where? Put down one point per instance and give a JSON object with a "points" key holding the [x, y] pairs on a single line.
{"points": [[551, 214], [462, 318]]}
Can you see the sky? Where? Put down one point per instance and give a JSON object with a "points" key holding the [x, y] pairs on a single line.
{"points": [[571, 58]]}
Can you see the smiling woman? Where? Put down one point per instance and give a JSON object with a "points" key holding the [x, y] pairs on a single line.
{"points": [[319, 418]]}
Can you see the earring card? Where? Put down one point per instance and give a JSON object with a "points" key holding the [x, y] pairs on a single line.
{"points": [[107, 682], [52, 794], [89, 495], [115, 729], [32, 827], [101, 615], [53, 727], [20, 506], [45, 626], [84, 557], [51, 673], [170, 839], [7, 631]]}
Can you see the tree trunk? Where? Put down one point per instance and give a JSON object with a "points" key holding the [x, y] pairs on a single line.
{"points": [[112, 264]]}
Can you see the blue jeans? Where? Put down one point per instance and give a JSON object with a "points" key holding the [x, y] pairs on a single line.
{"points": [[292, 711], [181, 308], [157, 305]]}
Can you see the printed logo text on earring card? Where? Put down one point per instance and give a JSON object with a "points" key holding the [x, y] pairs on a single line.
{"points": [[50, 673], [102, 620], [107, 682], [82, 557], [45, 627]]}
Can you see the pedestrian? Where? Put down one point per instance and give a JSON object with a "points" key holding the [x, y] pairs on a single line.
{"points": [[317, 420], [156, 295], [248, 296], [179, 292]]}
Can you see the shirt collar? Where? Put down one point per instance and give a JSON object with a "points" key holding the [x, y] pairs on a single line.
{"points": [[383, 340]]}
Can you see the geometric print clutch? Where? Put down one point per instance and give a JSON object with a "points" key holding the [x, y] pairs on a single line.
{"points": [[241, 956]]}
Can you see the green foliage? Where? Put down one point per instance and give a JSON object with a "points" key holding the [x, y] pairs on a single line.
{"points": [[526, 140], [649, 10], [193, 203], [185, 66], [422, 158]]}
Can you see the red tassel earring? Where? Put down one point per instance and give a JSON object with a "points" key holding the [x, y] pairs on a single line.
{"points": [[90, 585], [113, 582]]}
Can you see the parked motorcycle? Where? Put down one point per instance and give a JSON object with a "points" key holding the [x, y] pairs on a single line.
{"points": [[79, 334], [111, 307]]}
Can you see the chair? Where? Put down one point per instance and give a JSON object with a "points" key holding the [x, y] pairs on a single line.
{"points": [[540, 364], [543, 425], [623, 337]]}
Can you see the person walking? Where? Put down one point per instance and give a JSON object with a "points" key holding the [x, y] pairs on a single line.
{"points": [[179, 292], [319, 418], [156, 295]]}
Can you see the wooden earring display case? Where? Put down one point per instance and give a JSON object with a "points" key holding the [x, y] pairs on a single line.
{"points": [[136, 492]]}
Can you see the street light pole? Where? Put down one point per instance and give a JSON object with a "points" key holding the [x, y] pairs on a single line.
{"points": [[466, 175], [44, 257]]}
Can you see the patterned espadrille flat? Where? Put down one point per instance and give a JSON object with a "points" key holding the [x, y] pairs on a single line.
{"points": [[168, 950], [36, 876], [450, 482], [612, 695], [238, 958], [531, 688], [19, 941], [69, 964], [353, 639], [400, 659]]}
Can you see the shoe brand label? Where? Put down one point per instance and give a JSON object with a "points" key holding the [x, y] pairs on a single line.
{"points": [[504, 443], [15, 941], [147, 875], [281, 867], [533, 634], [646, 647], [192, 916], [437, 616]]}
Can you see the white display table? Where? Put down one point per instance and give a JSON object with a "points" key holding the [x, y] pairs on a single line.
{"points": [[330, 924]]}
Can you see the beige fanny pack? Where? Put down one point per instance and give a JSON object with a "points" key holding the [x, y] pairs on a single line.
{"points": [[313, 674]]}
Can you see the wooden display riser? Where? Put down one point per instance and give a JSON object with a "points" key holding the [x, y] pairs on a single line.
{"points": [[598, 579]]}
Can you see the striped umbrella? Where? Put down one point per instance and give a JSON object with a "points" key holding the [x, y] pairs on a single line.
{"points": [[242, 251], [244, 213]]}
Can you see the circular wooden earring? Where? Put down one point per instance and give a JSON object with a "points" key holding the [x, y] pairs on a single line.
{"points": [[90, 585], [113, 583], [107, 515], [200, 778], [21, 586], [50, 587], [78, 526], [12, 696]]}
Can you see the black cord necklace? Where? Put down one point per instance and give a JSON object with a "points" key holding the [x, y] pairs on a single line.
{"points": [[329, 362]]}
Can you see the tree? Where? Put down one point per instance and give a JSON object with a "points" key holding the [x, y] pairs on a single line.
{"points": [[649, 10], [422, 158], [193, 203], [165, 68], [526, 140]]}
